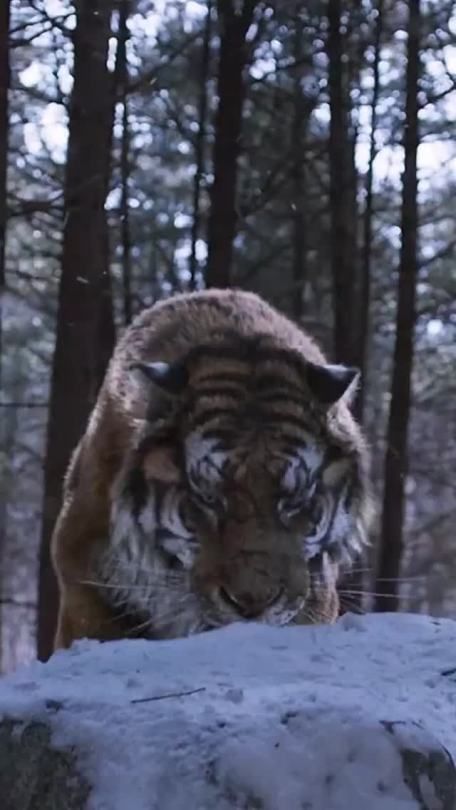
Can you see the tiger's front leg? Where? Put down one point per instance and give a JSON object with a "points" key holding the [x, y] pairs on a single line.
{"points": [[83, 614]]}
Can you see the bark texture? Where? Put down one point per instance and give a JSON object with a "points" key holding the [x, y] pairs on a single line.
{"points": [[85, 327], [233, 26], [396, 441]]}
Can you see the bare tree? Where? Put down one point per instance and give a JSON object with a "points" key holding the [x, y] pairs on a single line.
{"points": [[200, 142], [396, 460], [299, 121], [366, 251], [343, 219], [121, 78], [85, 329], [4, 88], [342, 194], [234, 21]]}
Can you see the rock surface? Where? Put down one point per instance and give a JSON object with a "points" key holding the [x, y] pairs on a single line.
{"points": [[33, 774], [357, 716]]}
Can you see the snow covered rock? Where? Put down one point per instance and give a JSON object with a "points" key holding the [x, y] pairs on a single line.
{"points": [[357, 716]]}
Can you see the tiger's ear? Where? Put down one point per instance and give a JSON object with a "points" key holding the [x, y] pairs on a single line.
{"points": [[331, 383], [169, 377]]}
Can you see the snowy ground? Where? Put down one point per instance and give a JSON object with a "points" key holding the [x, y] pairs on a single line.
{"points": [[250, 716]]}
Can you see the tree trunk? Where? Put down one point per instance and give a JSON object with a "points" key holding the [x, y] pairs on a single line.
{"points": [[199, 144], [122, 85], [4, 89], [299, 158], [365, 291], [396, 449], [85, 328], [342, 195], [228, 124], [344, 67]]}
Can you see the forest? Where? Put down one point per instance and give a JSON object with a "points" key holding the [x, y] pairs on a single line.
{"points": [[302, 150]]}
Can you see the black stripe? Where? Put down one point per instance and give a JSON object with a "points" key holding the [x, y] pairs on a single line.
{"points": [[136, 488], [249, 349], [193, 477], [288, 358], [291, 443], [219, 391], [327, 536], [281, 422], [223, 435], [220, 378], [284, 420], [151, 442], [333, 453], [221, 351], [268, 381], [208, 414], [228, 437], [315, 563], [144, 447], [272, 397], [350, 494]]}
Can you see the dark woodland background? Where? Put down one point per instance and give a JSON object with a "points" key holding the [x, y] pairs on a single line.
{"points": [[304, 150]]}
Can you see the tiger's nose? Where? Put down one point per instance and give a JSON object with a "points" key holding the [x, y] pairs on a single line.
{"points": [[250, 605]]}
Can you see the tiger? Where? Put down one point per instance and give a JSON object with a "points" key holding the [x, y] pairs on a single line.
{"points": [[221, 478]]}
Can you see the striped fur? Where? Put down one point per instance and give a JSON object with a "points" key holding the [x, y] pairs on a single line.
{"points": [[236, 495]]}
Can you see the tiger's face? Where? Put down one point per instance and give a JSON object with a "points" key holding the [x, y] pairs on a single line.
{"points": [[242, 499]]}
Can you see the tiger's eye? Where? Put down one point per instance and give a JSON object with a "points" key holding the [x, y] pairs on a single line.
{"points": [[173, 562], [187, 512], [289, 507], [209, 498], [212, 501], [316, 510], [301, 501]]}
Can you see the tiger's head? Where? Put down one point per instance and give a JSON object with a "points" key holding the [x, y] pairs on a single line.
{"points": [[245, 494]]}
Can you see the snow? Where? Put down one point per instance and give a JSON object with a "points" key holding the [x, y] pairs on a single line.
{"points": [[250, 716]]}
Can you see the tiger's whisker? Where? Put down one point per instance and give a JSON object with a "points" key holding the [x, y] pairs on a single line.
{"points": [[371, 593], [113, 585], [417, 578], [351, 605]]}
